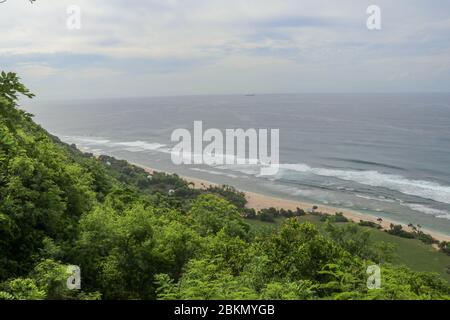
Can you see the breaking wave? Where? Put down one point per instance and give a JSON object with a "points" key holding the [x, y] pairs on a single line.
{"points": [[419, 188]]}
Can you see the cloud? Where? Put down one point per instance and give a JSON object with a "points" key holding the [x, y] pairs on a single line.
{"points": [[207, 46]]}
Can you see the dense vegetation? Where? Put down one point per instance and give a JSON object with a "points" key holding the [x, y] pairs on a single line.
{"points": [[137, 235]]}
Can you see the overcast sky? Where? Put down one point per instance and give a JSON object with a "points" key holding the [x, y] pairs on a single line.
{"points": [[156, 47]]}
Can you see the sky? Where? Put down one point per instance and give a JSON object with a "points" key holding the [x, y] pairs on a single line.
{"points": [[188, 47]]}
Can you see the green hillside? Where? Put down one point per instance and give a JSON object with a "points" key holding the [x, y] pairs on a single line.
{"points": [[409, 252], [141, 236]]}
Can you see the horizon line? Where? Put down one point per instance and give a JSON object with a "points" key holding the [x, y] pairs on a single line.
{"points": [[249, 95]]}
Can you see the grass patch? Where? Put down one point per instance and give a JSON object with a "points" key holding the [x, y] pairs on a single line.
{"points": [[410, 252], [415, 254]]}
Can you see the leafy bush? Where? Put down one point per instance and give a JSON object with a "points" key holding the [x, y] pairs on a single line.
{"points": [[337, 218], [369, 224]]}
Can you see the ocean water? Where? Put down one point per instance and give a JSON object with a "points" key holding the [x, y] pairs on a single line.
{"points": [[387, 155]]}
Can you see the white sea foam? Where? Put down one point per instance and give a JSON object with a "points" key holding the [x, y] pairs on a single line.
{"points": [[419, 188], [141, 145], [132, 146], [221, 173], [86, 140], [250, 170], [381, 199], [293, 190], [431, 211]]}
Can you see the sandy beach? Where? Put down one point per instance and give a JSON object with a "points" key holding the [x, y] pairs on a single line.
{"points": [[259, 201]]}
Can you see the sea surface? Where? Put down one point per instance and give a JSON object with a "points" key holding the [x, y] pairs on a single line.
{"points": [[387, 155]]}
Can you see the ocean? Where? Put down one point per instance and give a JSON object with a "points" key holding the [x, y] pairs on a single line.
{"points": [[387, 155]]}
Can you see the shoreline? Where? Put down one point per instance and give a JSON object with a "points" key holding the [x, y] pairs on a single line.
{"points": [[260, 201]]}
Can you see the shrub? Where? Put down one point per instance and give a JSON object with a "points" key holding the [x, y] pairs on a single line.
{"points": [[369, 224]]}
